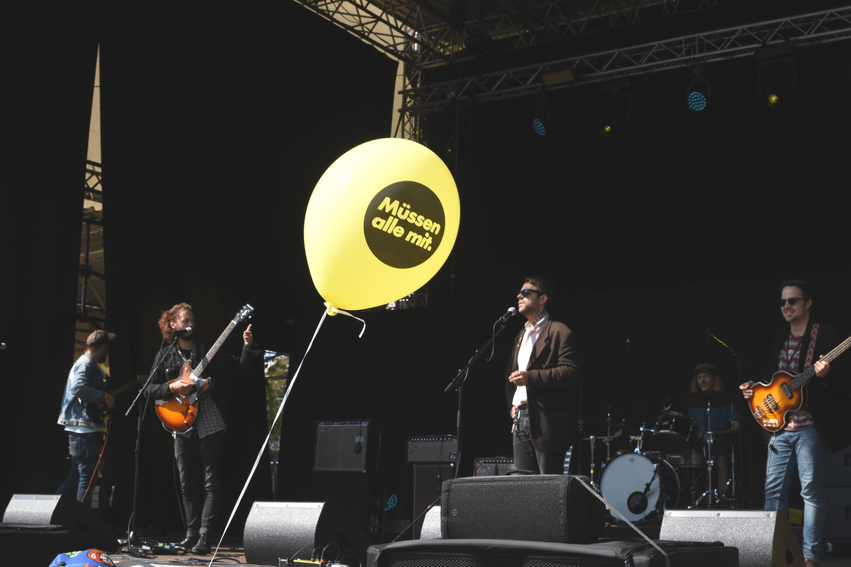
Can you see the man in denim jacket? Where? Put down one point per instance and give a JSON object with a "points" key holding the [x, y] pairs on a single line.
{"points": [[85, 427]]}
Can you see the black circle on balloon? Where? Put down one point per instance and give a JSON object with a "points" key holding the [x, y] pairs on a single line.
{"points": [[404, 224]]}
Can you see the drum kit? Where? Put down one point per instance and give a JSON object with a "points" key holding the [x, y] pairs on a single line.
{"points": [[641, 484]]}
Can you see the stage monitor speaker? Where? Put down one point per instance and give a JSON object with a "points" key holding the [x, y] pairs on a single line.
{"points": [[346, 446], [544, 508], [87, 529], [301, 530], [764, 538]]}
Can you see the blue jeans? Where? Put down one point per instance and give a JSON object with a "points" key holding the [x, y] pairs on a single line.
{"points": [[804, 448], [527, 458], [85, 449]]}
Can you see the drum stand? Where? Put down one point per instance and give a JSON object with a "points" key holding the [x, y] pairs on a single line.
{"points": [[732, 484], [710, 497], [607, 440]]}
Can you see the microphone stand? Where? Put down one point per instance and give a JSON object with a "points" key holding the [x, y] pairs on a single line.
{"points": [[739, 402], [132, 538], [457, 383]]}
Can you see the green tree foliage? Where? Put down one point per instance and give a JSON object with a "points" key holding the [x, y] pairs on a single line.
{"points": [[277, 378]]}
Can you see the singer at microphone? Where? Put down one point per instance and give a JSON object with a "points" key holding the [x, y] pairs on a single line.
{"points": [[198, 450], [542, 385]]}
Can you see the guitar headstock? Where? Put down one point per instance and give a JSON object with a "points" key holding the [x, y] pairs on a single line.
{"points": [[243, 313]]}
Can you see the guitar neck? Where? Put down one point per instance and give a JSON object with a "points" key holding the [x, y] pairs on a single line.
{"points": [[808, 374], [213, 349], [140, 381]]}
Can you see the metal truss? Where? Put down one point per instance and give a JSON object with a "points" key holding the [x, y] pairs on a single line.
{"points": [[419, 32], [94, 179], [91, 286], [730, 43]]}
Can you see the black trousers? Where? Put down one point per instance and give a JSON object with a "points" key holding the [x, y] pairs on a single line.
{"points": [[527, 458], [199, 460]]}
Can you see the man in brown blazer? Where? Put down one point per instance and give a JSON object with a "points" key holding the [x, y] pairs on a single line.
{"points": [[542, 387]]}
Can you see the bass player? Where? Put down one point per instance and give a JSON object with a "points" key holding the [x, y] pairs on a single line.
{"points": [[813, 428], [198, 450]]}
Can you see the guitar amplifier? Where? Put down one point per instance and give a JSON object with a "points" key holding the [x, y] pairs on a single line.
{"points": [[493, 466], [346, 446], [433, 449]]}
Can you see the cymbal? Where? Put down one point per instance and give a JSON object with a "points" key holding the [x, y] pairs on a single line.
{"points": [[703, 399]]}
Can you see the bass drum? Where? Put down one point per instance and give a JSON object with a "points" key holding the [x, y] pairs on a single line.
{"points": [[624, 479]]}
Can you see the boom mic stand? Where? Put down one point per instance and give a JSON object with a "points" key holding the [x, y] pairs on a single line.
{"points": [[457, 383], [132, 538], [739, 403]]}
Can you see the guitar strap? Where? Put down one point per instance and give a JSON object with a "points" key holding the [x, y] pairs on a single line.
{"points": [[812, 348]]}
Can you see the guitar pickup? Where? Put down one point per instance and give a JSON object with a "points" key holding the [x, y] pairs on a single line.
{"points": [[773, 405], [787, 391]]}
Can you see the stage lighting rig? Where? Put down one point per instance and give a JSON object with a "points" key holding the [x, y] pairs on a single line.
{"points": [[615, 107], [698, 90], [543, 115], [777, 76]]}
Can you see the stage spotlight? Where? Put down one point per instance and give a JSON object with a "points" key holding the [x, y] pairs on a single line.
{"points": [[615, 107], [698, 90], [543, 116], [777, 77]]}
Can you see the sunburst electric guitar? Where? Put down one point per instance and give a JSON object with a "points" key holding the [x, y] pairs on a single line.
{"points": [[179, 411], [773, 401]]}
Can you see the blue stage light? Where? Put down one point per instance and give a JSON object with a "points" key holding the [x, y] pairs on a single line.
{"points": [[391, 503], [698, 90], [538, 127], [696, 101]]}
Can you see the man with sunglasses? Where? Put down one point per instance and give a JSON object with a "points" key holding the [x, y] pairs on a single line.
{"points": [[818, 425], [542, 384]]}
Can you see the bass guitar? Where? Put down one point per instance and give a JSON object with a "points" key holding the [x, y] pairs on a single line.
{"points": [[179, 411], [772, 402]]}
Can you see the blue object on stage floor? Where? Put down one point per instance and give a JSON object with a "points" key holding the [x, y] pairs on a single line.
{"points": [[87, 558]]}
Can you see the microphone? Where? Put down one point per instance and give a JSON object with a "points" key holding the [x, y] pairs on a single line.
{"points": [[179, 332], [510, 313]]}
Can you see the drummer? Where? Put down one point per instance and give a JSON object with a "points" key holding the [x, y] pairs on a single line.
{"points": [[723, 420]]}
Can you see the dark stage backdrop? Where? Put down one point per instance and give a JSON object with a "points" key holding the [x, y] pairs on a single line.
{"points": [[216, 127], [49, 69]]}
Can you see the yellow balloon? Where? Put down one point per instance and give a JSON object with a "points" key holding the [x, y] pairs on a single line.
{"points": [[380, 223]]}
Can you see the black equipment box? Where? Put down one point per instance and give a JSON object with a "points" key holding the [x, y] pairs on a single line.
{"points": [[506, 553], [493, 466], [433, 449], [346, 446]]}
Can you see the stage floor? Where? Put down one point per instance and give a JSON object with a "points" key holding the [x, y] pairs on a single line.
{"points": [[233, 553]]}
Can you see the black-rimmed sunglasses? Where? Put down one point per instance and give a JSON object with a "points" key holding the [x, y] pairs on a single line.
{"points": [[791, 300], [525, 292]]}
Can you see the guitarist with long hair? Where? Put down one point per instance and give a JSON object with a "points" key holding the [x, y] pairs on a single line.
{"points": [[198, 449], [814, 424]]}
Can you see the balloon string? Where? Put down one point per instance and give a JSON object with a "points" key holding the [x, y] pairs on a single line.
{"points": [[333, 311], [266, 442]]}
